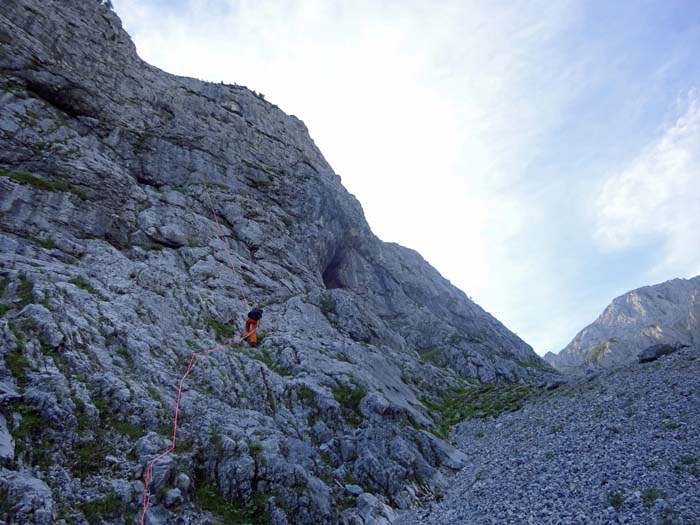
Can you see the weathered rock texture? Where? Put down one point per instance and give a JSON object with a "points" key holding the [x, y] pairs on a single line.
{"points": [[141, 214], [617, 447], [664, 313]]}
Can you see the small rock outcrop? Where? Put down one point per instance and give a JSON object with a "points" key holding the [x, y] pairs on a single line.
{"points": [[666, 313], [654, 352], [141, 216]]}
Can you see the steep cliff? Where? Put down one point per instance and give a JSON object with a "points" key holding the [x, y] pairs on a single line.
{"points": [[141, 215], [664, 313]]}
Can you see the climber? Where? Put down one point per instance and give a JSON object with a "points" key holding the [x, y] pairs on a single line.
{"points": [[251, 325]]}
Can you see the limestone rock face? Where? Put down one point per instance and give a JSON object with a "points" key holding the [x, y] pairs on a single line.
{"points": [[666, 313], [141, 216]]}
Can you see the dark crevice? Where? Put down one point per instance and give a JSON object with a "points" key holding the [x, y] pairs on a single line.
{"points": [[331, 277], [68, 100]]}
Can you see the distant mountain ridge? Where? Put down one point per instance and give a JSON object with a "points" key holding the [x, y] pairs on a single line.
{"points": [[664, 313]]}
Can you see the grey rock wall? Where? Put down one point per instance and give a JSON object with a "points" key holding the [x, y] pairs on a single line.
{"points": [[664, 313], [141, 215]]}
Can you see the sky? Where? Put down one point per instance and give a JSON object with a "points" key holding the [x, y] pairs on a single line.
{"points": [[543, 156]]}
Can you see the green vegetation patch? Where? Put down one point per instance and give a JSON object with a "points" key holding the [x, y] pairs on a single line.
{"points": [[81, 414], [258, 167], [616, 498], [430, 355], [151, 247], [261, 335], [27, 179], [690, 464], [216, 442], [103, 508], [598, 352], [307, 396], [109, 419], [18, 365], [263, 355], [207, 498], [89, 456], [483, 401], [349, 398], [30, 438], [328, 304], [48, 243], [15, 361], [25, 290], [537, 364], [651, 494], [155, 395], [255, 448], [83, 285], [222, 331], [126, 428]]}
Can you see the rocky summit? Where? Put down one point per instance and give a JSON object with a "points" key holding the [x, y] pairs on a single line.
{"points": [[666, 313], [142, 215]]}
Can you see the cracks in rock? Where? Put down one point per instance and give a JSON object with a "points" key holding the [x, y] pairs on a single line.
{"points": [[63, 98]]}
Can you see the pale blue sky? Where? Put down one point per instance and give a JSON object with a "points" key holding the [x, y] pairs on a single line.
{"points": [[544, 156]]}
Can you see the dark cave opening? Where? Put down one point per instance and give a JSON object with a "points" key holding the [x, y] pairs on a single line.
{"points": [[331, 277]]}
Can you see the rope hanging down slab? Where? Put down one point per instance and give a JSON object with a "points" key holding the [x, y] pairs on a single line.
{"points": [[149, 470]]}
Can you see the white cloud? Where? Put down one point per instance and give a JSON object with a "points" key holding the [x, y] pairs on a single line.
{"points": [[658, 195]]}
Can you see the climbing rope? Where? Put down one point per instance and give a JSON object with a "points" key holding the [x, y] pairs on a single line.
{"points": [[149, 470], [193, 358]]}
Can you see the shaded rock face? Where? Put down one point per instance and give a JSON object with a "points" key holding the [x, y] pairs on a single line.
{"points": [[657, 351], [666, 313], [141, 216]]}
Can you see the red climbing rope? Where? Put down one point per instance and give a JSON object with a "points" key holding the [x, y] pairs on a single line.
{"points": [[149, 470]]}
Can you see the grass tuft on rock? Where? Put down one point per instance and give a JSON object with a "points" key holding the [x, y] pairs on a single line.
{"points": [[83, 285], [18, 365], [483, 401], [349, 398], [431, 355], [307, 397], [615, 499], [222, 331], [27, 179], [25, 290], [651, 494], [207, 498], [30, 437], [100, 509], [328, 304], [15, 361]]}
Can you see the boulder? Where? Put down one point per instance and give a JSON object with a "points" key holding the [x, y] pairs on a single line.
{"points": [[653, 352], [26, 499]]}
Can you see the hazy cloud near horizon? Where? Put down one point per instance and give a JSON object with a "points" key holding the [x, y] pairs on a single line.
{"points": [[543, 156], [664, 182]]}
